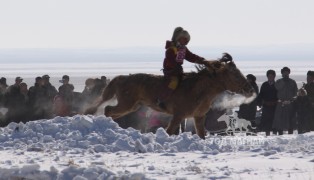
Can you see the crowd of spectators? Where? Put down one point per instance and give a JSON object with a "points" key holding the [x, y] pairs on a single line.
{"points": [[284, 107], [43, 100]]}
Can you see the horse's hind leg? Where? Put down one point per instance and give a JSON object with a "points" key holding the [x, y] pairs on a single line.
{"points": [[200, 126], [121, 109]]}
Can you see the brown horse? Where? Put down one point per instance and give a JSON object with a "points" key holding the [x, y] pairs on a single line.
{"points": [[192, 98]]}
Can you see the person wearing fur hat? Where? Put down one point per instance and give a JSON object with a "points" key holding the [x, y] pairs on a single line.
{"points": [[285, 112], [303, 111], [248, 111], [176, 52], [309, 87]]}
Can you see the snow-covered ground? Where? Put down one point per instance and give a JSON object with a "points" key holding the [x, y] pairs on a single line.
{"points": [[95, 147]]}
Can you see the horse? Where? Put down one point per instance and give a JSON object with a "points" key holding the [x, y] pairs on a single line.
{"points": [[192, 98]]}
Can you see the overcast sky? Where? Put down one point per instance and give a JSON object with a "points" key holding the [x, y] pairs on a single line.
{"points": [[131, 23]]}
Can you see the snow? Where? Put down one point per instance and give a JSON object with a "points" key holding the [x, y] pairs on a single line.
{"points": [[95, 147]]}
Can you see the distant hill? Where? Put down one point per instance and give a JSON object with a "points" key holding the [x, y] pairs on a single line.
{"points": [[271, 52]]}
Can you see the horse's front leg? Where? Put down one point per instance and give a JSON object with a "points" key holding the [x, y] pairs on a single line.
{"points": [[199, 123], [174, 124]]}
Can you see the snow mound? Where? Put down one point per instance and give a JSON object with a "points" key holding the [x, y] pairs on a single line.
{"points": [[65, 140]]}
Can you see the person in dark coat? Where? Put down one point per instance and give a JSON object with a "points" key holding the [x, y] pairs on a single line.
{"points": [[63, 100], [211, 123], [303, 111], [248, 111], [16, 100], [285, 111], [3, 88], [18, 81], [309, 87], [51, 92], [38, 98], [267, 99]]}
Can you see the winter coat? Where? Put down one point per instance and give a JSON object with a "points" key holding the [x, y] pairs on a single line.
{"points": [[303, 113], [39, 101], [267, 98], [18, 107], [61, 107], [248, 111], [211, 123], [66, 92], [51, 91], [309, 87], [285, 111], [174, 59]]}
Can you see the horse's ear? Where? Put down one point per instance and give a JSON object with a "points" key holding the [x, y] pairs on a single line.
{"points": [[226, 58]]}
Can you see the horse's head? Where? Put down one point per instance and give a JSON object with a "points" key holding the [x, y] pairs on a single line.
{"points": [[232, 79], [236, 90]]}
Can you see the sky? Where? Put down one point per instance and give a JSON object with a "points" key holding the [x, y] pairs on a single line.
{"points": [[123, 23]]}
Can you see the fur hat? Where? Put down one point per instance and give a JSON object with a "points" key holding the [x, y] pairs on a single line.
{"points": [[178, 33], [65, 77], [18, 79], [3, 81], [37, 79], [270, 72], [46, 76], [252, 77], [310, 73], [285, 69]]}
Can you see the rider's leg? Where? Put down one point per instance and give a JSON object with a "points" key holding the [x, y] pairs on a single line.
{"points": [[170, 85]]}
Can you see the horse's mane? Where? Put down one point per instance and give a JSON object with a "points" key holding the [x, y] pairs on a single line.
{"points": [[201, 70]]}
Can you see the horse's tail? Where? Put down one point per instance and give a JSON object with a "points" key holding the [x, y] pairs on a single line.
{"points": [[107, 94]]}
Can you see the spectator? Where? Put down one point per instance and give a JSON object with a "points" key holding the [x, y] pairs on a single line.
{"points": [[267, 98], [104, 81], [18, 81], [248, 111], [91, 90], [309, 87], [64, 98], [3, 89], [3, 85], [16, 100], [51, 92], [24, 103], [285, 112], [303, 111], [38, 99], [211, 121]]}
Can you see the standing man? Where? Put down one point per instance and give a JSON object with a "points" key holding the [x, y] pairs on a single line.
{"points": [[16, 85], [63, 100], [267, 98], [248, 111], [3, 89], [309, 87], [50, 92], [285, 112]]}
